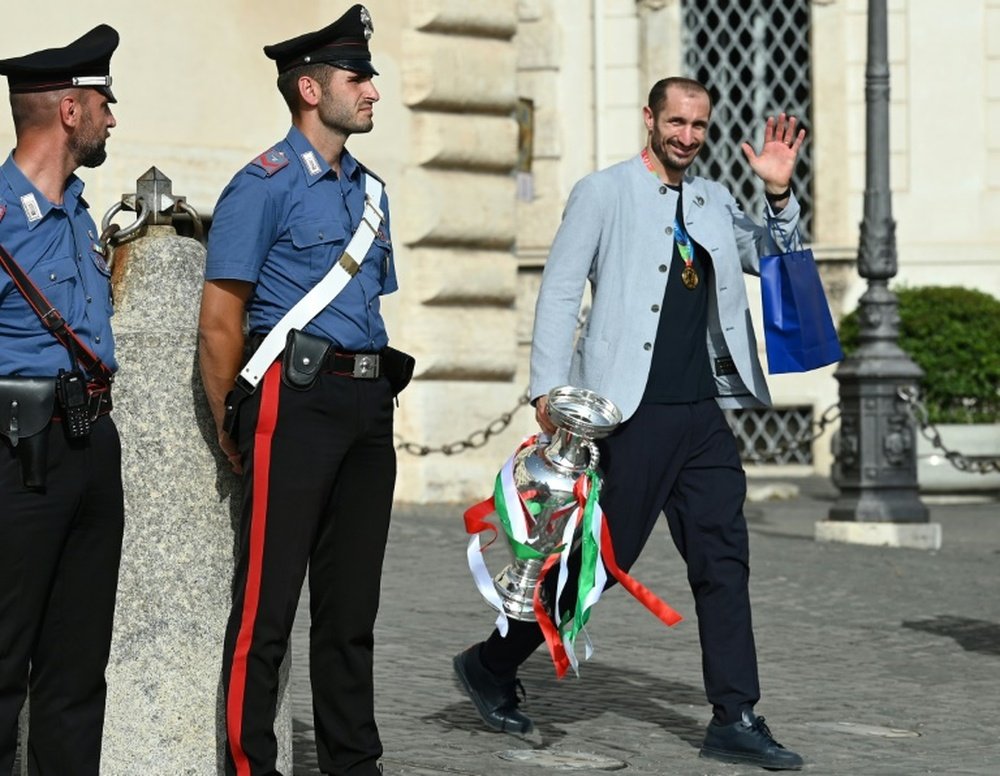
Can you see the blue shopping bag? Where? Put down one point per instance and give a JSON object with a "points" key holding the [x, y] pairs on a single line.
{"points": [[798, 329]]}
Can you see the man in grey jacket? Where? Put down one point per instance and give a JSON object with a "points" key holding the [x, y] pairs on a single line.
{"points": [[669, 340]]}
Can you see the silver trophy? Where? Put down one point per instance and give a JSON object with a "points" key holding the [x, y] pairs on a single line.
{"points": [[544, 475]]}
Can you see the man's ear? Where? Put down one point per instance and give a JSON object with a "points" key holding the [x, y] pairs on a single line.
{"points": [[70, 109], [310, 91], [648, 118]]}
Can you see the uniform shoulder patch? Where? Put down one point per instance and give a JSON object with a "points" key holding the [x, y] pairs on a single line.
{"points": [[369, 172], [269, 163]]}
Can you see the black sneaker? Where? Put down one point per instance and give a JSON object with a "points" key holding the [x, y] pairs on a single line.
{"points": [[748, 742], [495, 696]]}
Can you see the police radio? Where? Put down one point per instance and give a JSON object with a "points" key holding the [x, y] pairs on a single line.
{"points": [[74, 399]]}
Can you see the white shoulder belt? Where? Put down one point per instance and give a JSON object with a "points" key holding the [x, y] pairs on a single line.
{"points": [[324, 292]]}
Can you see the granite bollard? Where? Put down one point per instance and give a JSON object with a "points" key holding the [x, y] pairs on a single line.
{"points": [[164, 710]]}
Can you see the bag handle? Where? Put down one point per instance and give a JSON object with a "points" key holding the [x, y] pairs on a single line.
{"points": [[787, 243]]}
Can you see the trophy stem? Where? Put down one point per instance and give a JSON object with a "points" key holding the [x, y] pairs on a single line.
{"points": [[516, 585], [570, 452]]}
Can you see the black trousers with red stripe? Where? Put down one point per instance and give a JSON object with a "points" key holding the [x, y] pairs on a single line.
{"points": [[319, 471], [680, 460], [59, 555]]}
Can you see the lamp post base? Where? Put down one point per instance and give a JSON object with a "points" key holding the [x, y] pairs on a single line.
{"points": [[914, 536]]}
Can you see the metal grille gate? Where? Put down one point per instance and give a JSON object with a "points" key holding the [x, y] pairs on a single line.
{"points": [[770, 436], [754, 57]]}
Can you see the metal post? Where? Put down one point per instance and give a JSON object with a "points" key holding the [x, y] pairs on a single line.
{"points": [[877, 446]]}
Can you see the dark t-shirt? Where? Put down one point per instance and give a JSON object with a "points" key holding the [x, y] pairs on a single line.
{"points": [[680, 371]]}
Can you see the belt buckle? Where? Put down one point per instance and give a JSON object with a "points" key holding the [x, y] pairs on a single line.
{"points": [[366, 366]]}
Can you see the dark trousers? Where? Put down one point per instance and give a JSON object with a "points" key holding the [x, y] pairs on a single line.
{"points": [[319, 471], [681, 460], [60, 549]]}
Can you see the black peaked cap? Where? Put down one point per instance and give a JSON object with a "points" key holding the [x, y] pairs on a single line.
{"points": [[84, 62], [343, 44]]}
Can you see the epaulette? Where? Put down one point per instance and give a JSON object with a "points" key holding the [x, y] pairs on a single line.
{"points": [[369, 172], [268, 163]]}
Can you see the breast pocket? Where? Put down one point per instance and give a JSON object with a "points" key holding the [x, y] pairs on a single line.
{"points": [[99, 285], [319, 243], [381, 255], [57, 279]]}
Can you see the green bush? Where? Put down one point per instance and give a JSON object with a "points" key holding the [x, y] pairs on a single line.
{"points": [[953, 334]]}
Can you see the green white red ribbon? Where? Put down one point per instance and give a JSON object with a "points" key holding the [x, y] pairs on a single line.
{"points": [[516, 513]]}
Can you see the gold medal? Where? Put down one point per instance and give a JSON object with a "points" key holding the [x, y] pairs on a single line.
{"points": [[689, 277]]}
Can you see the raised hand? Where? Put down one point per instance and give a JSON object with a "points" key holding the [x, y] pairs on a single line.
{"points": [[776, 161]]}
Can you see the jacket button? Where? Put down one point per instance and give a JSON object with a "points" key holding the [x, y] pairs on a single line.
{"points": [[669, 230], [647, 346], [655, 308], [663, 189], [663, 268]]}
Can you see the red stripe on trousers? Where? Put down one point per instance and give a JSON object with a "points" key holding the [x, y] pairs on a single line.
{"points": [[266, 420]]}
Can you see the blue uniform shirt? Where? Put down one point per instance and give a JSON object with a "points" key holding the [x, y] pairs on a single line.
{"points": [[56, 245], [281, 224]]}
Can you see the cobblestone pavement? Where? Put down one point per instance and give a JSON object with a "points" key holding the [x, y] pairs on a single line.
{"points": [[873, 661]]}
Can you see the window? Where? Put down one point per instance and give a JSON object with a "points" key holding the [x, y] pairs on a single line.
{"points": [[754, 58]]}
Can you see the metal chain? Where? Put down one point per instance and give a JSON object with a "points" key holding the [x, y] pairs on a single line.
{"points": [[918, 411], [910, 396], [474, 440], [803, 438]]}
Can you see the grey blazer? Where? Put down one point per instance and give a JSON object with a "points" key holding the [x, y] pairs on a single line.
{"points": [[616, 232]]}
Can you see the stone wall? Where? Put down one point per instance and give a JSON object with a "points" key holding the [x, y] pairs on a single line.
{"points": [[197, 97]]}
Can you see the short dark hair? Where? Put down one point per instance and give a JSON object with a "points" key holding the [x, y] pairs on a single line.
{"points": [[658, 94], [288, 82], [30, 110]]}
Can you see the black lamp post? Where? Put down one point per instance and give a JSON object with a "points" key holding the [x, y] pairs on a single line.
{"points": [[876, 452]]}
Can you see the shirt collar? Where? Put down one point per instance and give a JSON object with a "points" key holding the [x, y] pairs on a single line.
{"points": [[25, 193], [314, 166]]}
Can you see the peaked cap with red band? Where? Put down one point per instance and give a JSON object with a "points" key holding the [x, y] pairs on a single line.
{"points": [[86, 62], [343, 44]]}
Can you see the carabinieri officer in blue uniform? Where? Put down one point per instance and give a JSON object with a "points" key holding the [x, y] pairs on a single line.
{"points": [[61, 510], [314, 440]]}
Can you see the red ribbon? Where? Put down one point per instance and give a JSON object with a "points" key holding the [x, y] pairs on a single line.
{"points": [[639, 591], [552, 638], [476, 522]]}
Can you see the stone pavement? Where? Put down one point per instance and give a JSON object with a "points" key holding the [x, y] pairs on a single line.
{"points": [[873, 661]]}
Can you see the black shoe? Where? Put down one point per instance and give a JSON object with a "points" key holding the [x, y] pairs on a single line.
{"points": [[495, 696], [748, 742]]}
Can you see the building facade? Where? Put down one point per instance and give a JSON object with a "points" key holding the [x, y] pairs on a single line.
{"points": [[492, 109]]}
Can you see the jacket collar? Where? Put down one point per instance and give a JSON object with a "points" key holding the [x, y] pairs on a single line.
{"points": [[314, 166], [36, 206]]}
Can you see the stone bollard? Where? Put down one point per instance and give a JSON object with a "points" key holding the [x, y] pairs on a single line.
{"points": [[164, 710]]}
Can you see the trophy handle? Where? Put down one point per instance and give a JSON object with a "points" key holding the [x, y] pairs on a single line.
{"points": [[595, 455]]}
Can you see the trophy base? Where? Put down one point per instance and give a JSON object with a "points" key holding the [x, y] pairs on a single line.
{"points": [[517, 593]]}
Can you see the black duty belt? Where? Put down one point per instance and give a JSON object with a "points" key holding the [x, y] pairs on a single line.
{"points": [[361, 366]]}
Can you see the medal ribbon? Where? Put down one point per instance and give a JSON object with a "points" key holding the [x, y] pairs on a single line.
{"points": [[596, 554], [680, 236]]}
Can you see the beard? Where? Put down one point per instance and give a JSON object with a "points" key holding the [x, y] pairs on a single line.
{"points": [[87, 144], [665, 153], [341, 117]]}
